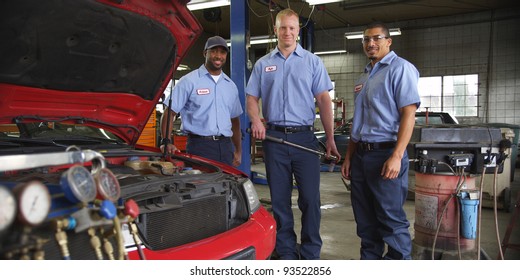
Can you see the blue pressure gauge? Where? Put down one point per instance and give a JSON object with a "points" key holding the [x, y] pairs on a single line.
{"points": [[78, 185]]}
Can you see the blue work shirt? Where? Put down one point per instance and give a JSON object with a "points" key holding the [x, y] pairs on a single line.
{"points": [[206, 107], [287, 87], [379, 94]]}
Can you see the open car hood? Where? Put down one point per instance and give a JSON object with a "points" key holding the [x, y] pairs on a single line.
{"points": [[101, 63]]}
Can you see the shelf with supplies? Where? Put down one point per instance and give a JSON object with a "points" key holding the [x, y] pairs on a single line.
{"points": [[257, 150]]}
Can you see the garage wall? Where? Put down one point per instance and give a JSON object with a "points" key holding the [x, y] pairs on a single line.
{"points": [[484, 43]]}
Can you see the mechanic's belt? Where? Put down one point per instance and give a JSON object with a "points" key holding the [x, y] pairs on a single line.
{"points": [[213, 137], [290, 129], [365, 146]]}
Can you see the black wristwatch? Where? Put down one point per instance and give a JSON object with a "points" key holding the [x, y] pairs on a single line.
{"points": [[165, 141]]}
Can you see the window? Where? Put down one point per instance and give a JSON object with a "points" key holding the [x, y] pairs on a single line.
{"points": [[332, 93], [457, 95]]}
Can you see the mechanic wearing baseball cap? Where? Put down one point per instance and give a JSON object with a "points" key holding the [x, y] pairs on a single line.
{"points": [[216, 41], [207, 99]]}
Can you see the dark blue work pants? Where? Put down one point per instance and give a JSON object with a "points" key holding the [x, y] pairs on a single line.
{"points": [[378, 206], [219, 150], [282, 162]]}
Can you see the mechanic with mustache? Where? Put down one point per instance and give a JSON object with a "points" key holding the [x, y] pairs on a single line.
{"points": [[208, 102], [376, 163], [289, 80]]}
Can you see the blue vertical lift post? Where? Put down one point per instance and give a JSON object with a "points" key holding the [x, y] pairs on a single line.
{"points": [[239, 19]]}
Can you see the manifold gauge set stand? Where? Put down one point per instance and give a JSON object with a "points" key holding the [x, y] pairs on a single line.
{"points": [[43, 218]]}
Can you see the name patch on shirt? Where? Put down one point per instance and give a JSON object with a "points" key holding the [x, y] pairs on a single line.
{"points": [[203, 91], [270, 68], [358, 88]]}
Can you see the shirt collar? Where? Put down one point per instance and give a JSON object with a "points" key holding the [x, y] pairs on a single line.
{"points": [[298, 51], [387, 59], [203, 71]]}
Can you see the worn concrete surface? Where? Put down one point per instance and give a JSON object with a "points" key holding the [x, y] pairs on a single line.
{"points": [[338, 228]]}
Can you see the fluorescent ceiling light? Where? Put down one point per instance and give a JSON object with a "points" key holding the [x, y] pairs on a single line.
{"points": [[183, 67], [263, 40], [205, 4], [258, 40], [359, 34], [318, 2], [354, 35], [331, 52]]}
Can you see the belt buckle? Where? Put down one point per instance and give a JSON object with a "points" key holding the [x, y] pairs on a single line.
{"points": [[215, 137], [367, 146], [288, 130]]}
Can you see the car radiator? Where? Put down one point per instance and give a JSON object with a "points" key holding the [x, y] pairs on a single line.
{"points": [[194, 221]]}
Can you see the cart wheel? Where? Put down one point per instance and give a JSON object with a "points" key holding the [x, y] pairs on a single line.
{"points": [[506, 197]]}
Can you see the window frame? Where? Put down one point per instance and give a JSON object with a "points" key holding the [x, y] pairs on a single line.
{"points": [[444, 90]]}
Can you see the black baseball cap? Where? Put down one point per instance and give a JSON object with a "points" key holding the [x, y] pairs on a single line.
{"points": [[216, 41]]}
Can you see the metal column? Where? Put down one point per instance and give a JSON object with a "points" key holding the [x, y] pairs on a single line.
{"points": [[239, 19], [307, 34]]}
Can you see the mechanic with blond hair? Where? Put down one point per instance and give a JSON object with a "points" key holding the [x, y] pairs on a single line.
{"points": [[289, 80]]}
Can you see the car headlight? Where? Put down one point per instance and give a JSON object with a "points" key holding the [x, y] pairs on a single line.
{"points": [[252, 196]]}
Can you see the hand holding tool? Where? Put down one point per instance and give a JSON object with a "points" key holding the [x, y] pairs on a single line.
{"points": [[282, 141]]}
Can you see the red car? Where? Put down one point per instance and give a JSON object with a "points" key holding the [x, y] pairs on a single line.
{"points": [[78, 82]]}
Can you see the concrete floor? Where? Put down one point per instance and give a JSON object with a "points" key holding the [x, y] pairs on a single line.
{"points": [[338, 228]]}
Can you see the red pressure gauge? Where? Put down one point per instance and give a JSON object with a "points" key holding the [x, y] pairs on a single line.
{"points": [[107, 185]]}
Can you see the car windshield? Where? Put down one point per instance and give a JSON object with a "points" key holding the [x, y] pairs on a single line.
{"points": [[431, 120], [434, 118], [53, 133], [344, 128]]}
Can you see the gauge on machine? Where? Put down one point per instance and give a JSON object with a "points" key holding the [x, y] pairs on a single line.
{"points": [[7, 208], [78, 184], [34, 202], [107, 184]]}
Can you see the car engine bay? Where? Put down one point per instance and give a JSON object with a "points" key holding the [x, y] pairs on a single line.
{"points": [[100, 206]]}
